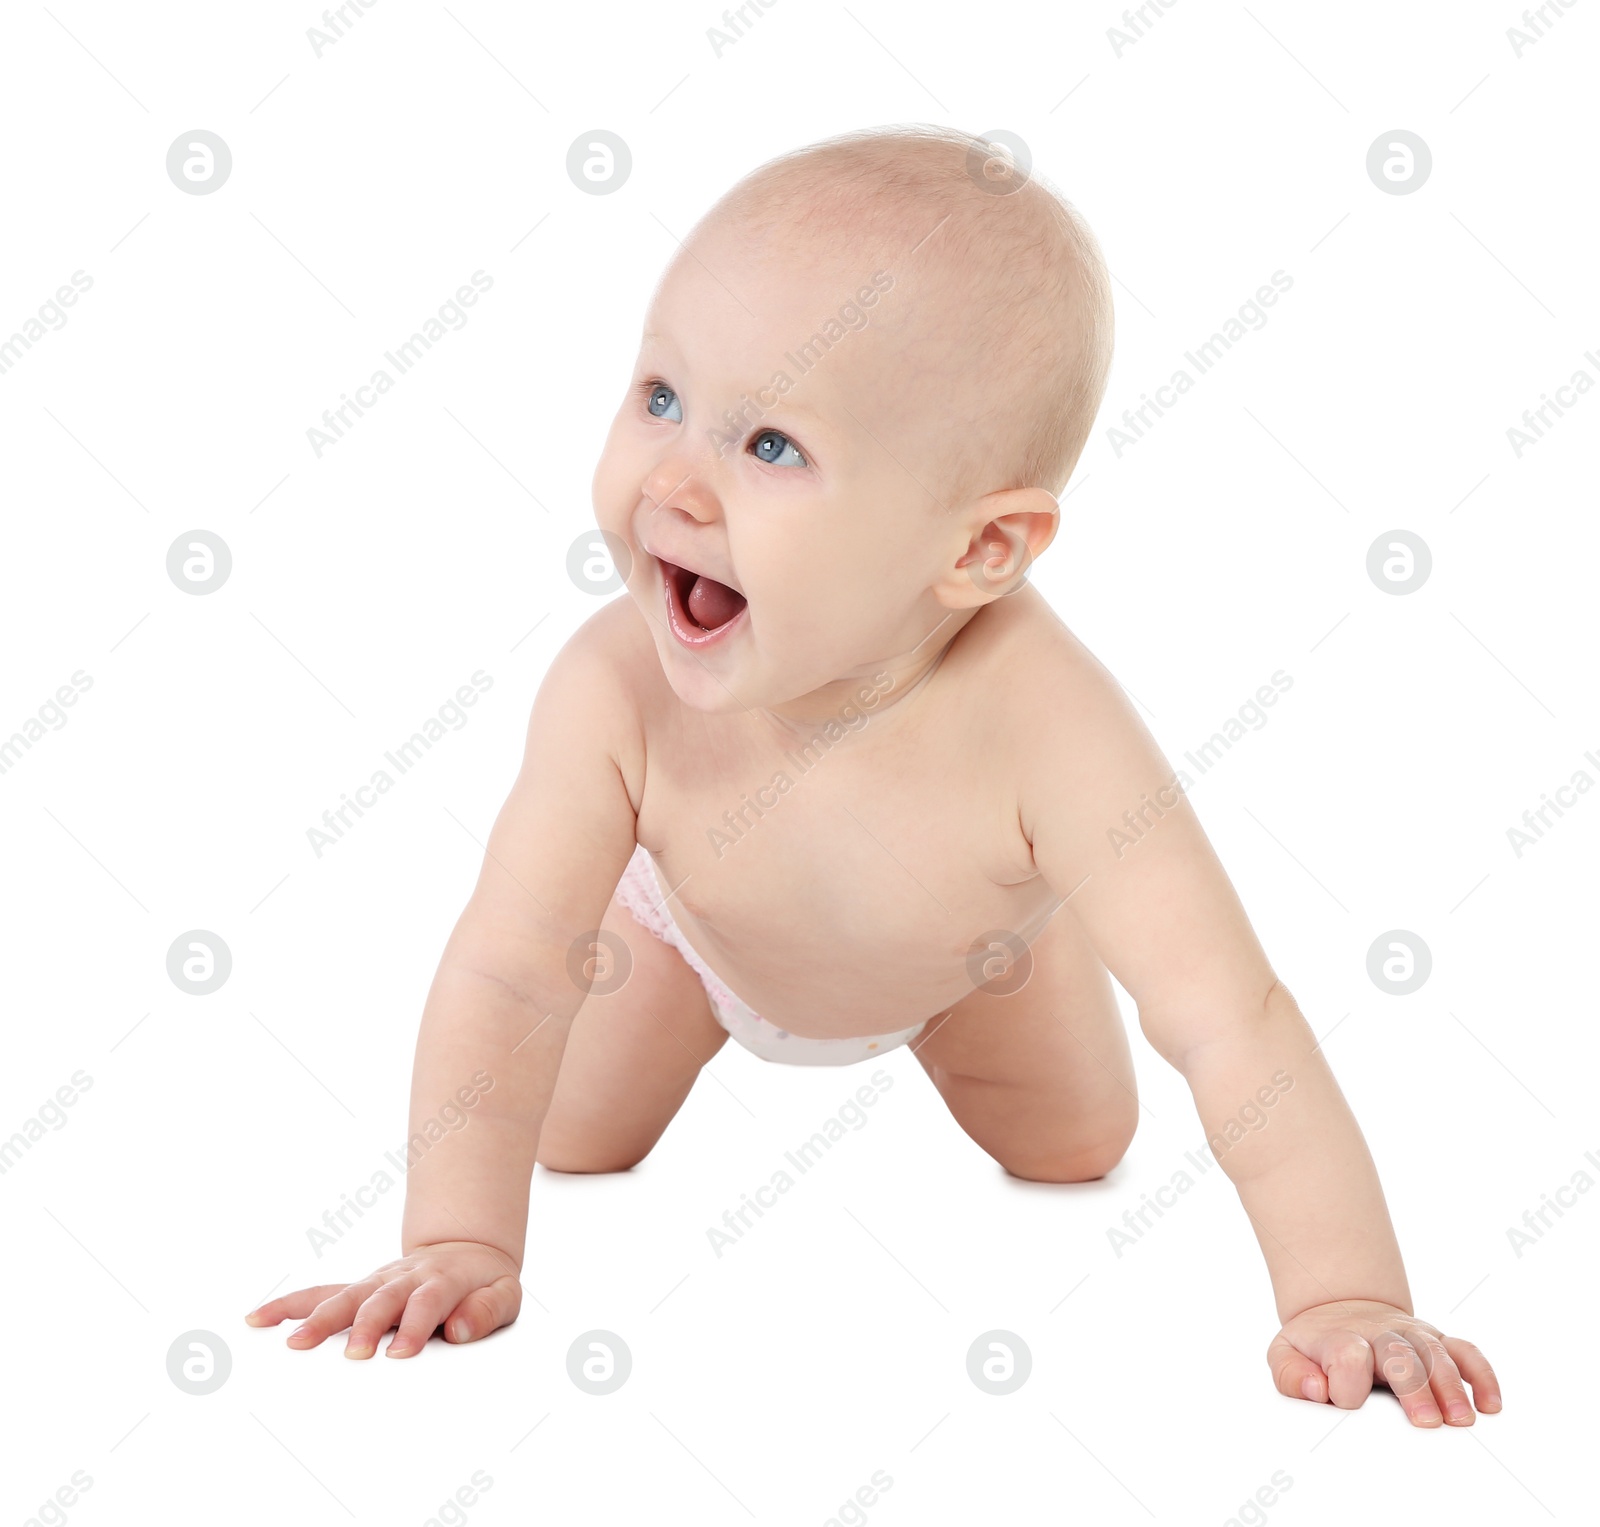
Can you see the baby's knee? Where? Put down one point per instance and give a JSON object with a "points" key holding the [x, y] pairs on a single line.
{"points": [[558, 1156], [1081, 1158], [570, 1151]]}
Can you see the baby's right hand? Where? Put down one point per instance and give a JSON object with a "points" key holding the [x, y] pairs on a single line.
{"points": [[468, 1288]]}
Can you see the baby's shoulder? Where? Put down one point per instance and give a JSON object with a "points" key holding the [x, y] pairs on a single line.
{"points": [[613, 652], [1054, 717], [1070, 736], [604, 671], [600, 689], [1039, 677]]}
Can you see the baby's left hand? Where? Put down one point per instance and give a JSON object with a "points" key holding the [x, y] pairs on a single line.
{"points": [[1336, 1352]]}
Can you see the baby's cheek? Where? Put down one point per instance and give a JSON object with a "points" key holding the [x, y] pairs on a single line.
{"points": [[606, 488], [791, 596], [619, 471]]}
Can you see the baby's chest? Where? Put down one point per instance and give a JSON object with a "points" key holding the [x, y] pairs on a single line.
{"points": [[827, 850]]}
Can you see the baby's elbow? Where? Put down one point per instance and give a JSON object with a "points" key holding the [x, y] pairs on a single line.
{"points": [[1179, 1032]]}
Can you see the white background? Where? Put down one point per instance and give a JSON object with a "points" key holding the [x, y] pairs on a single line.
{"points": [[367, 585]]}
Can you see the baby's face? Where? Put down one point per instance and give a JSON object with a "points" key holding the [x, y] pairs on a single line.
{"points": [[794, 549]]}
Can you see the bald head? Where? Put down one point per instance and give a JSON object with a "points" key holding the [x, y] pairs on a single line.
{"points": [[1001, 320]]}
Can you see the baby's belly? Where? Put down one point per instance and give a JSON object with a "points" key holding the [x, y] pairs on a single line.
{"points": [[830, 962]]}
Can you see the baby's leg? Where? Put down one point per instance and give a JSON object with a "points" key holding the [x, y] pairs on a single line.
{"points": [[630, 1060], [1041, 1079]]}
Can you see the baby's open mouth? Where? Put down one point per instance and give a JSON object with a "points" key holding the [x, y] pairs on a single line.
{"points": [[699, 605]]}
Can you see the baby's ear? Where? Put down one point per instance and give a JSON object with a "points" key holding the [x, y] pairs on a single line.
{"points": [[1014, 527]]}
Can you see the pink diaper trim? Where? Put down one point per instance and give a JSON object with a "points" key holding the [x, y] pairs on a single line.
{"points": [[641, 894]]}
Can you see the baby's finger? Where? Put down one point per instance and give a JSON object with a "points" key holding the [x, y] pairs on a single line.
{"points": [[332, 1315], [1474, 1367], [1445, 1380], [1405, 1371], [1294, 1373], [425, 1312], [293, 1306], [380, 1310], [1348, 1361], [484, 1310]]}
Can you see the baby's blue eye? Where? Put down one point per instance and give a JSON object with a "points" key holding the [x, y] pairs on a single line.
{"points": [[777, 450], [663, 403]]}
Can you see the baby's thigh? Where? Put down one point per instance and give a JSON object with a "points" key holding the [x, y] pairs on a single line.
{"points": [[1041, 1077], [631, 1057], [1064, 1017]]}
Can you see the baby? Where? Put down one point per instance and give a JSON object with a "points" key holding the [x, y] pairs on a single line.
{"points": [[835, 779]]}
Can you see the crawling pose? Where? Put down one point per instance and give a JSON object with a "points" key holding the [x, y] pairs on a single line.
{"points": [[833, 779]]}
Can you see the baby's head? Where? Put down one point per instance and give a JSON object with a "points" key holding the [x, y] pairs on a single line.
{"points": [[864, 378]]}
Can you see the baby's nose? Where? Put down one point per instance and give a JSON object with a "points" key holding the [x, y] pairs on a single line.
{"points": [[676, 483]]}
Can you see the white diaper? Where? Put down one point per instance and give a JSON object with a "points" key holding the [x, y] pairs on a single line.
{"points": [[640, 893]]}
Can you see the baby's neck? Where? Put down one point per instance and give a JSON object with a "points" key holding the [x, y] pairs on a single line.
{"points": [[886, 684]]}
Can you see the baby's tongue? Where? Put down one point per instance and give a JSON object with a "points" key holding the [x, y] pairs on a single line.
{"points": [[713, 604]]}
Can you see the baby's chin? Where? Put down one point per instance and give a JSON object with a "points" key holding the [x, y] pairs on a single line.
{"points": [[740, 689], [723, 682], [714, 684]]}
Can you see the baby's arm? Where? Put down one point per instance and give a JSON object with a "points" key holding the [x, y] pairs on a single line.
{"points": [[1163, 915], [496, 1021]]}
